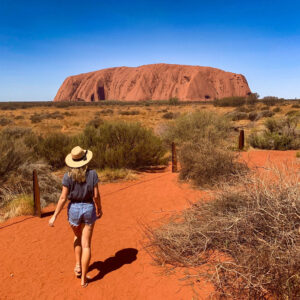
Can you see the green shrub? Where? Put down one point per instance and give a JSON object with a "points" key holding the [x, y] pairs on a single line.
{"points": [[123, 145], [52, 148], [11, 157], [236, 101], [230, 101], [253, 116], [280, 134], [202, 138], [197, 125], [173, 101], [207, 163], [36, 118], [271, 100]]}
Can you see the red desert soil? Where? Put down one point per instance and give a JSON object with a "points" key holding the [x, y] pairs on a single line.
{"points": [[153, 82], [37, 261]]}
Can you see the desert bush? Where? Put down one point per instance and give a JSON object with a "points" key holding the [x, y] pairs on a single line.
{"points": [[265, 108], [5, 121], [195, 126], [266, 114], [19, 117], [296, 105], [173, 101], [206, 163], [170, 115], [203, 147], [36, 118], [95, 122], [237, 101], [237, 116], [271, 100], [11, 157], [253, 116], [111, 175], [15, 132], [276, 109], [247, 235], [16, 204], [52, 148], [19, 183], [129, 112], [293, 113], [107, 111], [279, 134], [244, 109], [123, 145], [230, 101]]}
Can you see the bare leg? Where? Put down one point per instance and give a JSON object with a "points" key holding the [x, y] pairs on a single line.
{"points": [[77, 243], [86, 239]]}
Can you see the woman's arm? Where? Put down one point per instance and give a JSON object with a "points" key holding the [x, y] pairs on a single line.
{"points": [[97, 201], [61, 202]]}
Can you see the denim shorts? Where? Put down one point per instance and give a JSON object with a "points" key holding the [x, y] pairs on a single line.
{"points": [[81, 212]]}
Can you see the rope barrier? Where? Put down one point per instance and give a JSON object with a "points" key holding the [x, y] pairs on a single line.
{"points": [[103, 195]]}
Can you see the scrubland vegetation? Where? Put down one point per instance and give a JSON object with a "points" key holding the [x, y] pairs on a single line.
{"points": [[205, 139], [247, 233], [279, 134], [117, 147]]}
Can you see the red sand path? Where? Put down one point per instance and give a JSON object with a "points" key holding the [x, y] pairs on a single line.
{"points": [[37, 261]]}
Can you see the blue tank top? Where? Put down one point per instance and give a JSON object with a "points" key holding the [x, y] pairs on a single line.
{"points": [[84, 191]]}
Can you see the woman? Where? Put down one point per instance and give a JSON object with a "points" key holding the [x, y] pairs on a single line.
{"points": [[80, 186]]}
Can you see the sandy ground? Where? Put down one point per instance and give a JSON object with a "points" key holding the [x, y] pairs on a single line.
{"points": [[37, 261]]}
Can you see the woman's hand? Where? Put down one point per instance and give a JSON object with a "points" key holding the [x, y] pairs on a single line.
{"points": [[52, 220], [99, 212]]}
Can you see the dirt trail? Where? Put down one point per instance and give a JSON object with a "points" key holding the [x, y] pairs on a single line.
{"points": [[37, 261]]}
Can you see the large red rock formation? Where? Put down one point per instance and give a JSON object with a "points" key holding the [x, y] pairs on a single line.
{"points": [[153, 82]]}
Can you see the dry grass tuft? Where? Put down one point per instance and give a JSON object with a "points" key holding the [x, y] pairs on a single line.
{"points": [[111, 175], [254, 226], [18, 205]]}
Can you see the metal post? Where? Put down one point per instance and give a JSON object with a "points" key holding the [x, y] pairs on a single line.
{"points": [[174, 158], [36, 195], [241, 140]]}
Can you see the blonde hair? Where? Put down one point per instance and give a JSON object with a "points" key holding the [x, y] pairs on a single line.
{"points": [[78, 174]]}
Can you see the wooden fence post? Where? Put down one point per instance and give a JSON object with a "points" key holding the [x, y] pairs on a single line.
{"points": [[36, 195], [241, 140], [174, 158]]}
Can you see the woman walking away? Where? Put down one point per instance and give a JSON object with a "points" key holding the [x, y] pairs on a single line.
{"points": [[80, 186]]}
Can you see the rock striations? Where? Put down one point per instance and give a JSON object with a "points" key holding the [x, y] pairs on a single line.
{"points": [[153, 82]]}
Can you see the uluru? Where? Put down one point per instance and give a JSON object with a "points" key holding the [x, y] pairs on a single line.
{"points": [[153, 82]]}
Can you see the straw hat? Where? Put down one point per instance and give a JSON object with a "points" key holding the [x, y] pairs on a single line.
{"points": [[78, 157]]}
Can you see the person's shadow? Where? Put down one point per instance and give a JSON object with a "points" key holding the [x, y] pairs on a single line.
{"points": [[122, 257]]}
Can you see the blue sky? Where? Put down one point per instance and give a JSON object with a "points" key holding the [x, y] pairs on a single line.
{"points": [[42, 42]]}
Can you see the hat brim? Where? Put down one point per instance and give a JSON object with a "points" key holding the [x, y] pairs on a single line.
{"points": [[80, 163]]}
